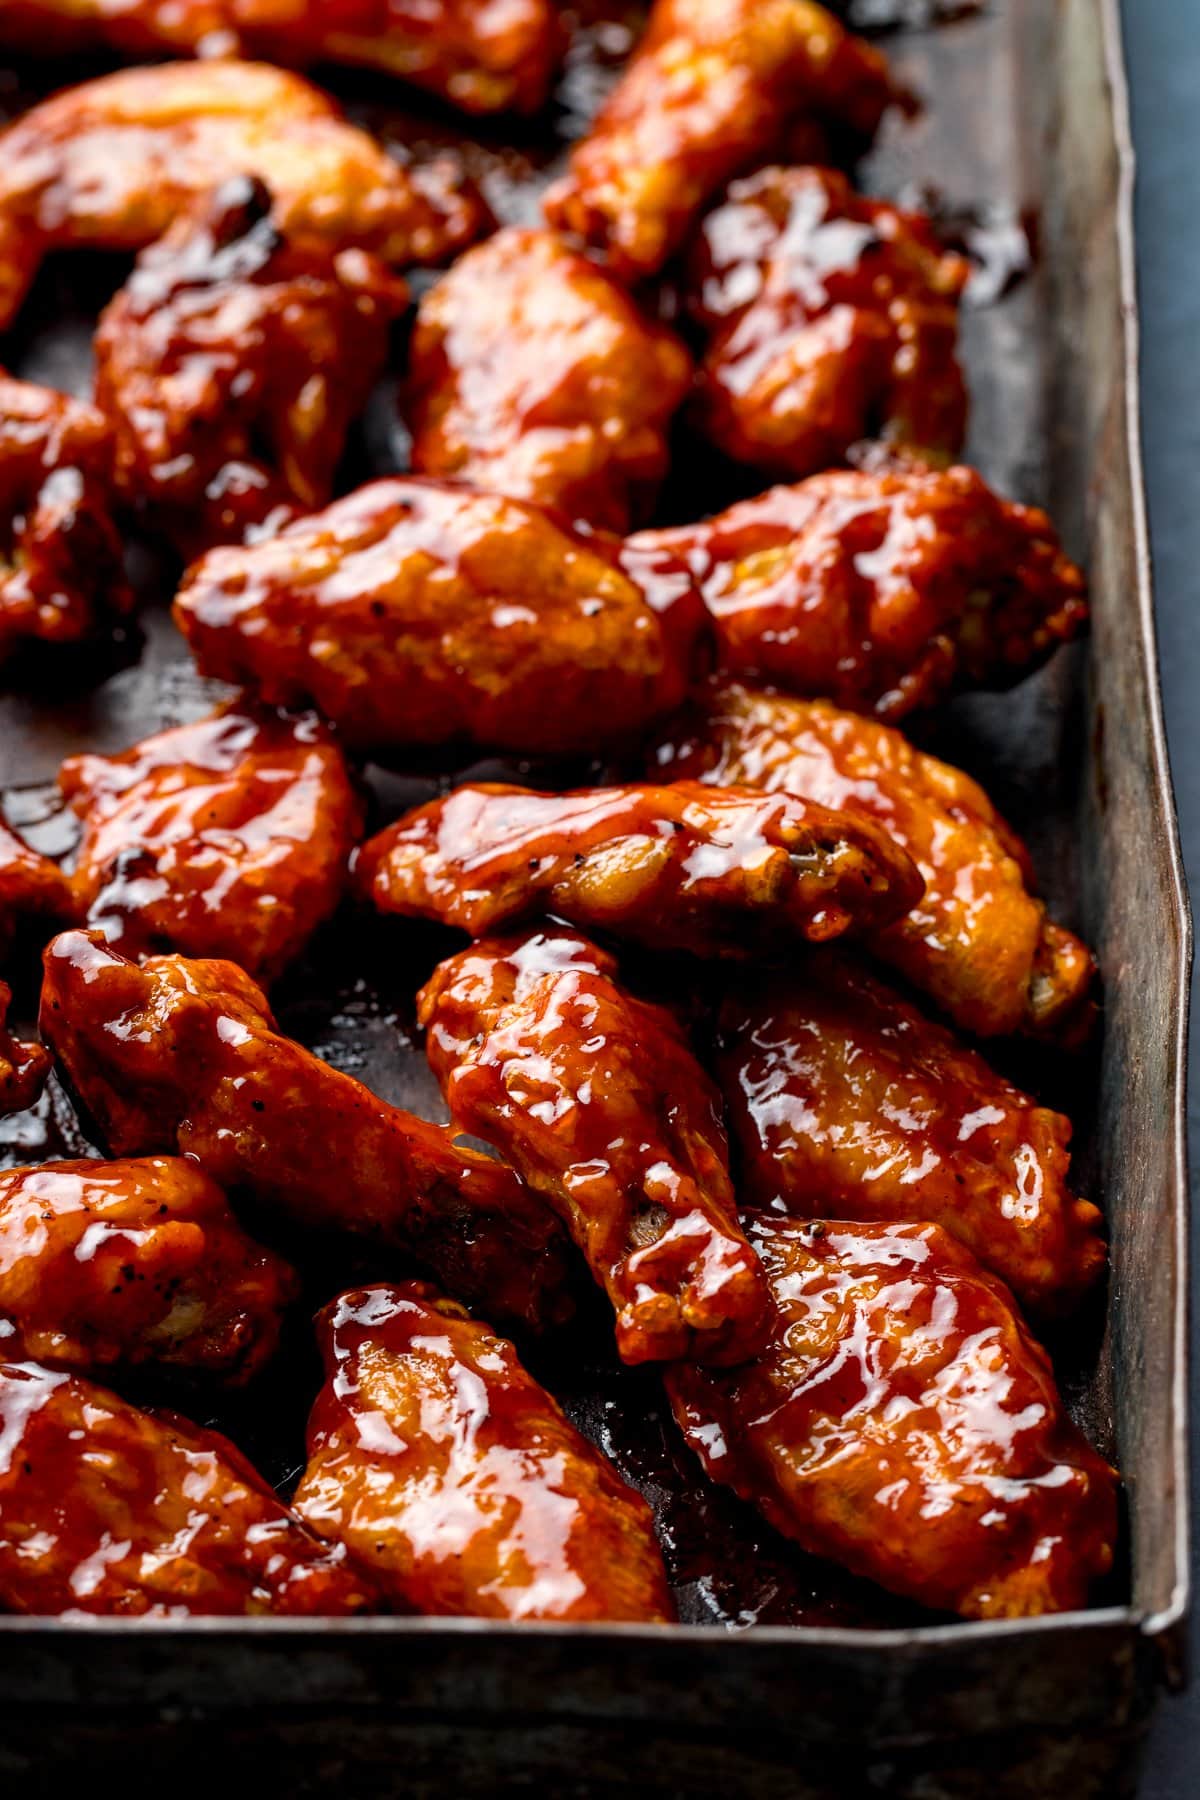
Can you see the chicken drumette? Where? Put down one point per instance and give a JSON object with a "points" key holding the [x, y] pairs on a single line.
{"points": [[881, 590], [33, 890], [902, 1421], [184, 1057], [598, 1100], [717, 872], [24, 1067], [713, 87], [231, 365], [139, 1261], [229, 837], [415, 612], [978, 941], [454, 1479], [105, 1509], [533, 374], [828, 318]]}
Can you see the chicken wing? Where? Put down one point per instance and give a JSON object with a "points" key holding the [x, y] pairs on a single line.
{"points": [[454, 1478], [718, 872], [597, 1099], [61, 568], [23, 1066], [483, 55], [828, 318], [711, 90], [414, 612], [880, 590], [134, 1262], [232, 364], [229, 837], [31, 888], [533, 374], [903, 1422], [844, 1100], [184, 1057], [105, 1509], [978, 941], [111, 163]]}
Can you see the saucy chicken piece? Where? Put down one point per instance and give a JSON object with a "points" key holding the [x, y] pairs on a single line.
{"points": [[828, 318], [106, 1509], [24, 1067], [61, 568], [902, 1422], [455, 1480], [184, 1057], [415, 612], [232, 364], [711, 90], [229, 837], [978, 941], [597, 1099], [844, 1100], [484, 55], [110, 164], [533, 374], [141, 1261], [718, 872], [880, 590], [32, 888]]}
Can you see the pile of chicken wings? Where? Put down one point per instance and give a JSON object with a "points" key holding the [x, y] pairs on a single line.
{"points": [[724, 1022]]}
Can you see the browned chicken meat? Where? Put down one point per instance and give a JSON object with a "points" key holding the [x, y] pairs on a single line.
{"points": [[232, 364], [597, 1099], [454, 1479], [902, 1421], [33, 890], [184, 1057], [533, 374], [24, 1067]]}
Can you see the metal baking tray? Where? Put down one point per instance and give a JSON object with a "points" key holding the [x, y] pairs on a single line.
{"points": [[785, 1678]]}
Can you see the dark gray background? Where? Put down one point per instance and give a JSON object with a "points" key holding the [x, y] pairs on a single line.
{"points": [[1162, 40]]}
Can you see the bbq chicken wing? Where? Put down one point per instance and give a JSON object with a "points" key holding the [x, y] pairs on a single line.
{"points": [[902, 1421], [598, 1100], [32, 888], [454, 1479], [687, 867], [228, 838], [711, 90], [415, 612], [828, 318], [844, 1100], [24, 1067], [184, 1057], [483, 55], [879, 590], [105, 1509], [978, 941], [232, 364], [110, 164], [533, 374], [61, 568], [132, 1262]]}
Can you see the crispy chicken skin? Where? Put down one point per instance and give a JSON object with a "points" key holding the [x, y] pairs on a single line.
{"points": [[110, 164], [828, 318], [105, 1509], [140, 1261], [184, 1057], [229, 837], [533, 374], [880, 590], [717, 872], [598, 1100], [232, 364], [902, 1421], [23, 1066], [32, 890], [415, 612], [711, 89], [845, 1100], [61, 569], [456, 1481], [978, 941], [483, 55]]}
